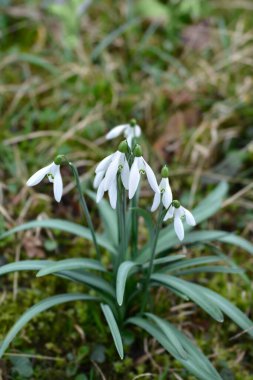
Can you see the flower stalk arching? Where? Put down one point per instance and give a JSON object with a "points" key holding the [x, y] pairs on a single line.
{"points": [[85, 208]]}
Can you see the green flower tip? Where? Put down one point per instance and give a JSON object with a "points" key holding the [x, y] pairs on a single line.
{"points": [[176, 204], [132, 123], [123, 146], [165, 171], [59, 159], [137, 151]]}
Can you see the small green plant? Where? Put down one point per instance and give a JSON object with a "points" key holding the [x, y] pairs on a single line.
{"points": [[123, 286]]}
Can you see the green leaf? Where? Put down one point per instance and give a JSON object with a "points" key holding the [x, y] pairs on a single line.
{"points": [[228, 308], [190, 262], [211, 204], [197, 367], [23, 265], [62, 225], [238, 241], [114, 329], [210, 269], [189, 290], [89, 279], [69, 264], [169, 333], [109, 218], [37, 309], [124, 271], [146, 215], [167, 259]]}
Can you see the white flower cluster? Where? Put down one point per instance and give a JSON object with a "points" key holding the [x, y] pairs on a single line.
{"points": [[126, 165]]}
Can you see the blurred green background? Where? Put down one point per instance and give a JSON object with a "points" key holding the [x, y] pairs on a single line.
{"points": [[70, 71]]}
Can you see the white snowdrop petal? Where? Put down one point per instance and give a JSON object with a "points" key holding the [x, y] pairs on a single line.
{"points": [[101, 191], [103, 165], [125, 172], [151, 178], [156, 202], [163, 184], [137, 131], [169, 214], [134, 178], [38, 176], [116, 131], [180, 211], [179, 228], [112, 170], [113, 194], [98, 178], [167, 197], [58, 185], [189, 218]]}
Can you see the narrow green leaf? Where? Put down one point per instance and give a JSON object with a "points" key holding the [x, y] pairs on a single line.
{"points": [[190, 262], [238, 241], [228, 308], [23, 265], [114, 329], [188, 289], [62, 225], [210, 269], [165, 260], [124, 271], [89, 279], [69, 264], [169, 332], [37, 309], [198, 369]]}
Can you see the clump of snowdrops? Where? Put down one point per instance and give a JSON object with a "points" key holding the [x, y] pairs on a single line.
{"points": [[125, 288]]}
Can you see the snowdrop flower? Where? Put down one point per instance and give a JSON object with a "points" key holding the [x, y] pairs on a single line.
{"points": [[106, 174], [130, 131], [53, 173], [165, 193], [177, 211], [140, 166]]}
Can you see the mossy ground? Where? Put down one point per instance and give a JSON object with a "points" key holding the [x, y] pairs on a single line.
{"points": [[183, 69]]}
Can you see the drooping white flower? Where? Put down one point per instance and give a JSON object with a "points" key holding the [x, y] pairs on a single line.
{"points": [[140, 166], [177, 212], [165, 193], [53, 173], [107, 171], [130, 131]]}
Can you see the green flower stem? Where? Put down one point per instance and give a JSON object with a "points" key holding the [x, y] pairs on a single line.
{"points": [[153, 249], [85, 209], [121, 214], [134, 226]]}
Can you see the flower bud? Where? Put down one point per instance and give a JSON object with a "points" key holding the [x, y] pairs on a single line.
{"points": [[165, 171], [137, 151], [59, 159], [132, 123], [176, 204], [123, 146]]}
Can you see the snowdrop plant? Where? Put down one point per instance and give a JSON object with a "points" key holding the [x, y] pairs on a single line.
{"points": [[131, 131], [140, 260]]}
